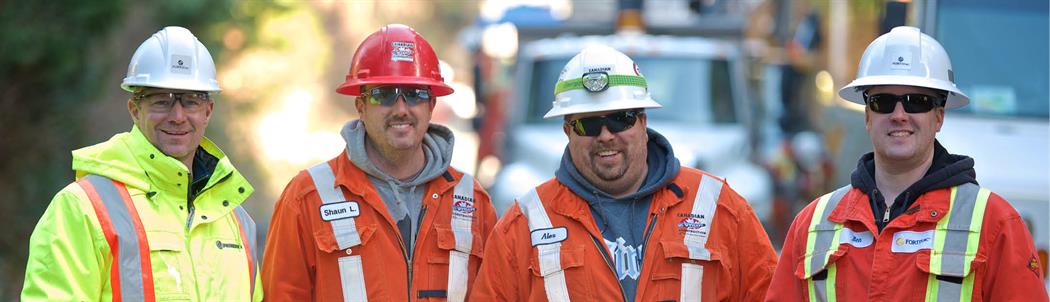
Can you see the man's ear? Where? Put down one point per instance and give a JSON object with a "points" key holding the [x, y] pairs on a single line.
{"points": [[359, 104], [133, 109], [565, 128]]}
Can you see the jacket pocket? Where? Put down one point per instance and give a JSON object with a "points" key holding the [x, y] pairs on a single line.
{"points": [[466, 260], [327, 242], [951, 274], [170, 264], [570, 265], [679, 275]]}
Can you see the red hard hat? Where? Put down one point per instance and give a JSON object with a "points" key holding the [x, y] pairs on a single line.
{"points": [[395, 54]]}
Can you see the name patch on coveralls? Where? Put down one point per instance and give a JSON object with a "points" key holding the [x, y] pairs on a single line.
{"points": [[340, 210], [857, 239], [548, 236], [910, 242]]}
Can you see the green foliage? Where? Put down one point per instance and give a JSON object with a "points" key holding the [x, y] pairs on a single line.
{"points": [[55, 63]]}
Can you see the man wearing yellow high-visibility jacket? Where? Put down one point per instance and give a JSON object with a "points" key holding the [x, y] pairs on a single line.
{"points": [[155, 213], [913, 225]]}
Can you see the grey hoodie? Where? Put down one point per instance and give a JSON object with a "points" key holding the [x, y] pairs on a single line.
{"points": [[622, 220], [403, 199]]}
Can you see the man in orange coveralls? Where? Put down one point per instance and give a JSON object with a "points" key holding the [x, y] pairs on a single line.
{"points": [[622, 220], [913, 225], [388, 219]]}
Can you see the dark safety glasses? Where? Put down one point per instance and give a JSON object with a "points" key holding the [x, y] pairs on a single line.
{"points": [[387, 95], [615, 122], [913, 102]]}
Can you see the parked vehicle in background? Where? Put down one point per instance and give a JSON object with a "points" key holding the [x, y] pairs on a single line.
{"points": [[999, 51]]}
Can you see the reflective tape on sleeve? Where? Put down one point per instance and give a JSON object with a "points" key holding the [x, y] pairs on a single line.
{"points": [[247, 229], [131, 271]]}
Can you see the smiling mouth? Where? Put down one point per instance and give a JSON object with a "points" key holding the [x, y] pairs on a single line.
{"points": [[900, 133], [172, 132], [607, 153]]}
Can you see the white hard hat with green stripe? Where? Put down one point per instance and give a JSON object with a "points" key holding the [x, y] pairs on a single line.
{"points": [[600, 78]]}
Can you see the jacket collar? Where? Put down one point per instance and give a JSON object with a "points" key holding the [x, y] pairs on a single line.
{"points": [[350, 177], [929, 207]]}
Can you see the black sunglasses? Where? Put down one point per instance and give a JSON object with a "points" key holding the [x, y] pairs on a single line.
{"points": [[913, 102], [387, 95], [615, 122]]}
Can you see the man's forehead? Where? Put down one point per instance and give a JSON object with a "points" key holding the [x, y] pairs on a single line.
{"points": [[597, 113], [158, 89], [900, 89], [370, 86]]}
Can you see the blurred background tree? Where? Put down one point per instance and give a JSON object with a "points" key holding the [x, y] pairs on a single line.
{"points": [[60, 64]]}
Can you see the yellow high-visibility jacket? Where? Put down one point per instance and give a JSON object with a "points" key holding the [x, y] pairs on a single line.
{"points": [[80, 249]]}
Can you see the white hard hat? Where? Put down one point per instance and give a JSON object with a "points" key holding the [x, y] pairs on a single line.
{"points": [[172, 58], [600, 78], [905, 56]]}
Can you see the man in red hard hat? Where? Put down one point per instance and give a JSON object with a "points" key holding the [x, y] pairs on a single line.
{"points": [[387, 219]]}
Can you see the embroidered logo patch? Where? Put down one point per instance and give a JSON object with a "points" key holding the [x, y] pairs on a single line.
{"points": [[220, 245], [857, 239], [340, 210], [691, 223], [463, 206], [548, 236], [910, 242]]}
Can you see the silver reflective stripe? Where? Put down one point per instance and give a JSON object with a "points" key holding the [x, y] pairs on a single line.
{"points": [[247, 224], [345, 230], [352, 279], [692, 278], [826, 240], [956, 237], [549, 254], [129, 259], [955, 240], [704, 205], [459, 258]]}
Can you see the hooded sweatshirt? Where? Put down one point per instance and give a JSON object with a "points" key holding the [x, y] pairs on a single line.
{"points": [[947, 170], [403, 198], [622, 220]]}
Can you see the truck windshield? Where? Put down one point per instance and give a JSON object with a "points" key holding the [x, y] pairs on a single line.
{"points": [[690, 89], [999, 54]]}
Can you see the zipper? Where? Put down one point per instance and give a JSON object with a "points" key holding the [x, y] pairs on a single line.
{"points": [[886, 215], [408, 257], [648, 233], [608, 262]]}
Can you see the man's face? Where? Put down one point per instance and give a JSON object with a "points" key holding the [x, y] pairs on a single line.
{"points": [[610, 161], [172, 120], [399, 124], [900, 136]]}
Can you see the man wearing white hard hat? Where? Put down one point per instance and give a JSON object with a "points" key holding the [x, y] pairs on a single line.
{"points": [[622, 220], [155, 213], [913, 224]]}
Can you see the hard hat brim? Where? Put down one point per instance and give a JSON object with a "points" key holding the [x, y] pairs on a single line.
{"points": [[353, 87], [587, 104]]}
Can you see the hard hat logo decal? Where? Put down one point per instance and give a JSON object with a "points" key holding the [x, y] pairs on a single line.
{"points": [[402, 51], [183, 64], [901, 58], [596, 81]]}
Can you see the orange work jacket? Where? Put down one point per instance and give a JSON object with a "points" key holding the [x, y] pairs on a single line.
{"points": [[900, 263], [708, 248], [306, 260]]}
